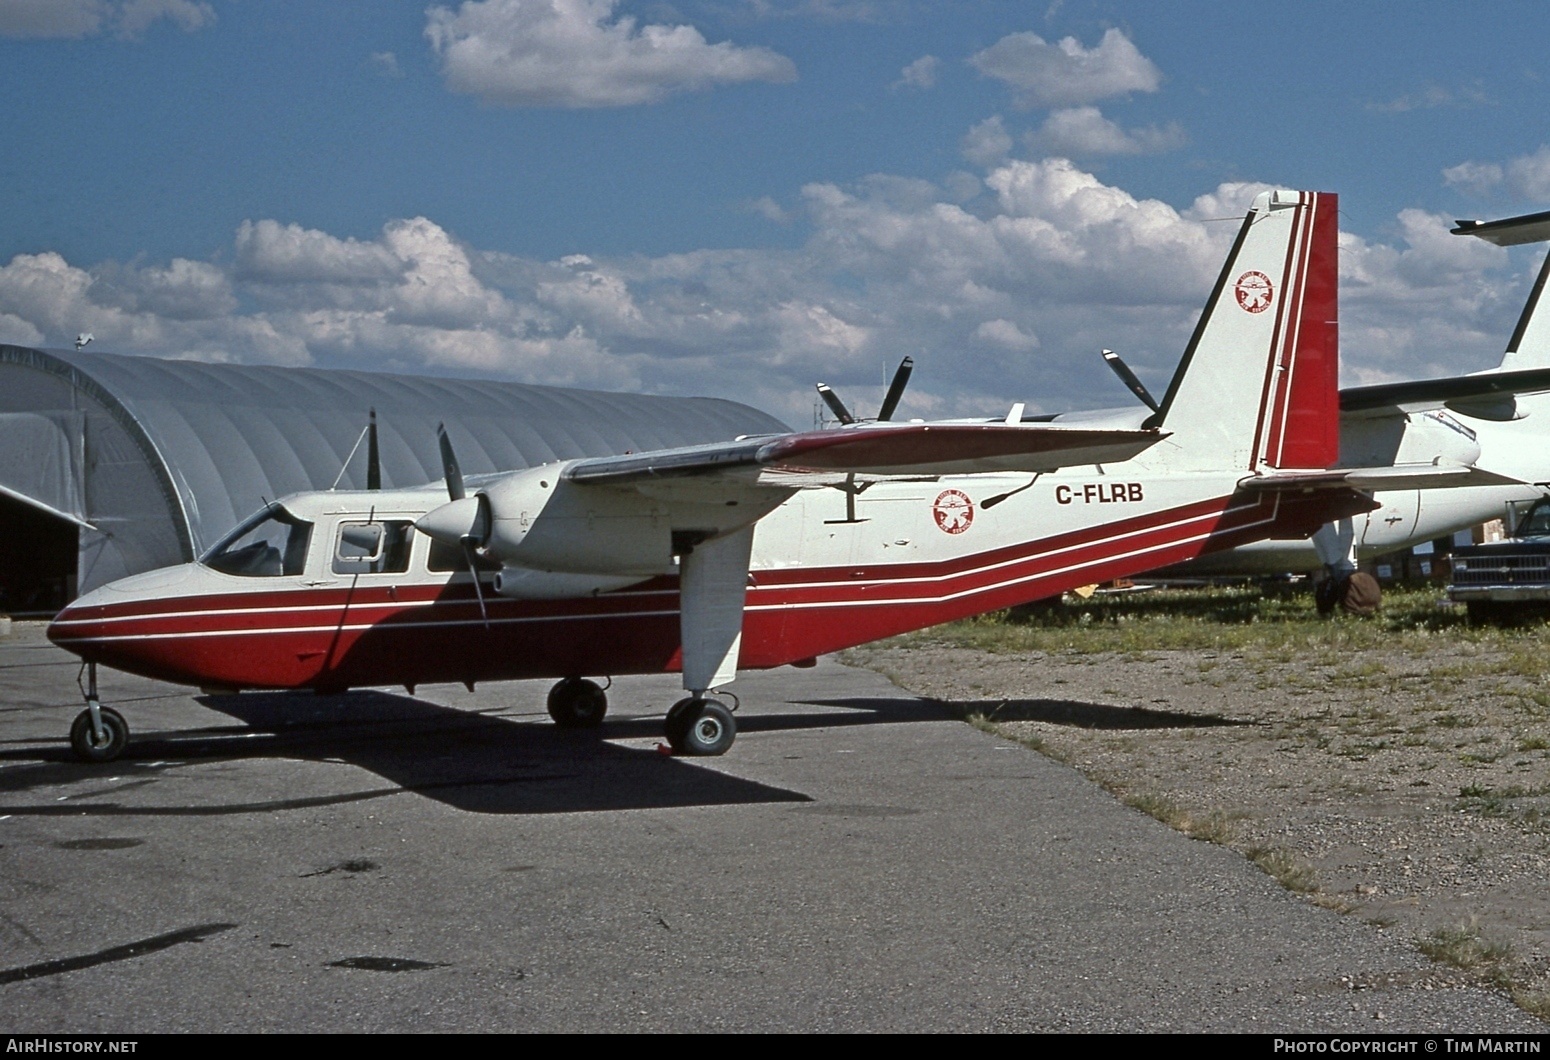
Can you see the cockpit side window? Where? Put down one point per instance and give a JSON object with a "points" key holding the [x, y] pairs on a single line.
{"points": [[373, 548], [272, 544]]}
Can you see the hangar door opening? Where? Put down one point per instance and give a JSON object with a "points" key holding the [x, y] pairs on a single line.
{"points": [[37, 559]]}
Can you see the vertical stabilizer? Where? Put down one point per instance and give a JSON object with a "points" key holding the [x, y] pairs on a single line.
{"points": [[1259, 382], [1529, 346]]}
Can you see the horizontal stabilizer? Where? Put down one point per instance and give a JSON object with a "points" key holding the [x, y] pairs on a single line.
{"points": [[894, 449], [1430, 393], [1394, 477]]}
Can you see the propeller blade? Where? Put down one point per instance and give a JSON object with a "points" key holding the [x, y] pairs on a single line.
{"points": [[373, 458], [1128, 377], [836, 406], [473, 572], [449, 466], [901, 379]]}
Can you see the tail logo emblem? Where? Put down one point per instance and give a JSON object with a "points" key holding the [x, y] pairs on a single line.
{"points": [[953, 511], [1254, 291]]}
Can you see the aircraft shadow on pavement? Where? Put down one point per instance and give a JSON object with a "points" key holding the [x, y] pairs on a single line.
{"points": [[469, 760], [1079, 715]]}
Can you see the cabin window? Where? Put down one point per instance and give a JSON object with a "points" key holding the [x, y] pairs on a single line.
{"points": [[373, 548], [271, 544]]}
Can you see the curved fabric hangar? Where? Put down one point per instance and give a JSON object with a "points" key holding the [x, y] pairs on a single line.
{"points": [[111, 465]]}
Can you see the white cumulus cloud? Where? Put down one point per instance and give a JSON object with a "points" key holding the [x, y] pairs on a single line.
{"points": [[1002, 292], [575, 53], [1080, 132], [1067, 74], [987, 142], [1525, 178], [919, 74]]}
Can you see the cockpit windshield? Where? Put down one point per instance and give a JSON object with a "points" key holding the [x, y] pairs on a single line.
{"points": [[271, 544]]}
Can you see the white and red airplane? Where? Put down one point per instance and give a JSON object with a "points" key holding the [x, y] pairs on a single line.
{"points": [[766, 551]]}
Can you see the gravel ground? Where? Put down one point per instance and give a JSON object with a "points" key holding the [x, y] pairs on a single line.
{"points": [[1410, 791]]}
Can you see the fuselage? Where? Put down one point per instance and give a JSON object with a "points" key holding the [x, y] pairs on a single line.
{"points": [[303, 597]]}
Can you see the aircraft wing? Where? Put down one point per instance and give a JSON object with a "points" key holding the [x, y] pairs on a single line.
{"points": [[1395, 477], [913, 449], [1510, 231], [1432, 393]]}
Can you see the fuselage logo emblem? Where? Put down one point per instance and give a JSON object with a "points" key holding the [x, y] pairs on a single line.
{"points": [[953, 511], [1254, 291]]}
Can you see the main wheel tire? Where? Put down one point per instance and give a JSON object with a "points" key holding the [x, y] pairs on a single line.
{"points": [[85, 744], [576, 703], [701, 728]]}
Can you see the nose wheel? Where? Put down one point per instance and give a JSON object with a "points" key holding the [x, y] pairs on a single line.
{"points": [[576, 703], [98, 734], [700, 727]]}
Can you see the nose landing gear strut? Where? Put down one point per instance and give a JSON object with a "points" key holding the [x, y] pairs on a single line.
{"points": [[98, 734]]}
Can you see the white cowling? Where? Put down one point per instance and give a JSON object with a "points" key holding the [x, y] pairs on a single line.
{"points": [[522, 584]]}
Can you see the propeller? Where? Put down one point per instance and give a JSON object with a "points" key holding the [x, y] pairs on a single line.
{"points": [[901, 379], [463, 517], [373, 457], [449, 465], [1128, 377]]}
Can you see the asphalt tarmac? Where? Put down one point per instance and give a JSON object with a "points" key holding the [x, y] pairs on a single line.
{"points": [[454, 862]]}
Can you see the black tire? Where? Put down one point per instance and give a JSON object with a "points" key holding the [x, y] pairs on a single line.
{"points": [[1484, 612], [576, 703], [676, 726], [86, 747], [700, 727]]}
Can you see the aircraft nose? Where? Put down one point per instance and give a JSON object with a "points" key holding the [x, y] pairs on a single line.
{"points": [[452, 522]]}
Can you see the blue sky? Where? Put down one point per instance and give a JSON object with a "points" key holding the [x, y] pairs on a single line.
{"points": [[740, 197]]}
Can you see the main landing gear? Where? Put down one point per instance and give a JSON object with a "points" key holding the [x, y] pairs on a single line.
{"points": [[98, 734], [695, 726], [576, 703], [702, 727]]}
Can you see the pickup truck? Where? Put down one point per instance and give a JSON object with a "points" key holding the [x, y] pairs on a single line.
{"points": [[1508, 578]]}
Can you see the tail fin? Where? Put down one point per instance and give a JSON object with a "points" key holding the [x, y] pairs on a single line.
{"points": [[1529, 346], [1258, 384]]}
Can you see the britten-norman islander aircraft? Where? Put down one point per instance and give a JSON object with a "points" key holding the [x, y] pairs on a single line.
{"points": [[766, 551]]}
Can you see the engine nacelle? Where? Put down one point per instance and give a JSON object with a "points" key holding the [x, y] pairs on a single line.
{"points": [[523, 584], [540, 521]]}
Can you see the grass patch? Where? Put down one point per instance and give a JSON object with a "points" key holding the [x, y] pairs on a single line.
{"points": [[1272, 619], [1208, 828], [1463, 946], [1285, 868]]}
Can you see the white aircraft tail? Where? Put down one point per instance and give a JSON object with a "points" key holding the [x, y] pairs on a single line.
{"points": [[1529, 346], [1258, 384]]}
